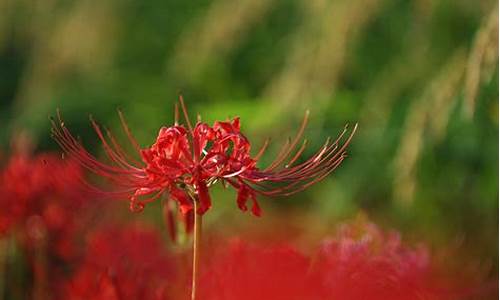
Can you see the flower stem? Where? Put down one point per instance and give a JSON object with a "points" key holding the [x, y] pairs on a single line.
{"points": [[40, 291], [196, 249], [4, 246]]}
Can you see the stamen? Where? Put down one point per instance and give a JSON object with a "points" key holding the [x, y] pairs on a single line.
{"points": [[125, 127], [176, 114], [262, 149], [186, 117], [297, 155], [306, 174], [293, 144], [275, 163]]}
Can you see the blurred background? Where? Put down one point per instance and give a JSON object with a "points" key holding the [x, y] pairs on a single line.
{"points": [[420, 77]]}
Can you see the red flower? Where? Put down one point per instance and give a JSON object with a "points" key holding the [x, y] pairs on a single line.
{"points": [[366, 263], [41, 185], [122, 263], [239, 270], [360, 262], [185, 161]]}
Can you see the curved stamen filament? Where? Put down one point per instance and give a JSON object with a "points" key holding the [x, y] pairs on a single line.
{"points": [[290, 148]]}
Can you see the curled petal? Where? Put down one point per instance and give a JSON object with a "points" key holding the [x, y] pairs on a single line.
{"points": [[203, 197], [169, 216], [135, 204], [256, 211], [202, 135], [228, 127], [244, 193], [185, 204], [188, 220]]}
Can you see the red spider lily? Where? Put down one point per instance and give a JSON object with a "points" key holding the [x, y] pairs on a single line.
{"points": [[122, 263], [359, 263], [42, 202], [43, 211], [186, 160], [239, 270], [365, 263], [37, 185]]}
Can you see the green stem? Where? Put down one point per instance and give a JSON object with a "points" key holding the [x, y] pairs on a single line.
{"points": [[3, 263], [196, 249], [40, 267]]}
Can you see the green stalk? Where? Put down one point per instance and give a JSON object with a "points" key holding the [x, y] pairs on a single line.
{"points": [[196, 249], [3, 265]]}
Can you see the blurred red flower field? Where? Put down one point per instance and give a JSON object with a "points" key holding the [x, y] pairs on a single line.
{"points": [[73, 257]]}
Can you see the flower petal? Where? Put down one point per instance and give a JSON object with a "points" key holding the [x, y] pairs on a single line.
{"points": [[203, 197], [242, 198], [185, 204], [255, 205]]}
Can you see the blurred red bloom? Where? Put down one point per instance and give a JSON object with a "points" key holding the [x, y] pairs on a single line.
{"points": [[361, 262], [122, 263], [240, 270], [41, 194], [185, 161], [365, 263]]}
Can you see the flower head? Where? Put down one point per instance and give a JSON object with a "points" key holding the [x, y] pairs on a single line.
{"points": [[361, 261], [128, 262], [43, 205], [36, 185], [185, 160]]}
